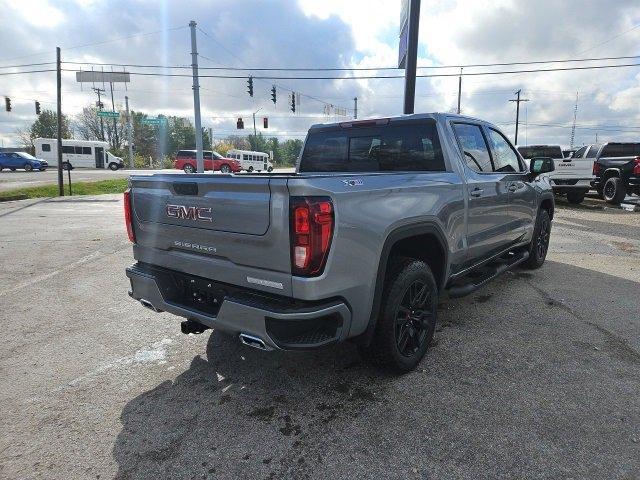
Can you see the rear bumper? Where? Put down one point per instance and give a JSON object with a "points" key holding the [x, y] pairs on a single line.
{"points": [[280, 322], [562, 185]]}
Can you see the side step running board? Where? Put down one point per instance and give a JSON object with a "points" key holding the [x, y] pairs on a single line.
{"points": [[457, 291]]}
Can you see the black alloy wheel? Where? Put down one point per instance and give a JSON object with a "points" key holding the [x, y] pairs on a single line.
{"points": [[413, 319]]}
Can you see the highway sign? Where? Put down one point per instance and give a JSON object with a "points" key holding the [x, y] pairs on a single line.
{"points": [[108, 114]]}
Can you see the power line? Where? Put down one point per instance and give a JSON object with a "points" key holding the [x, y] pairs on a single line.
{"points": [[609, 39], [376, 77], [28, 71], [28, 65], [348, 69], [73, 47]]}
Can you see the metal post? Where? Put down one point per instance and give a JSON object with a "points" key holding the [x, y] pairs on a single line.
{"points": [[412, 55], [113, 109], [129, 133], [459, 90], [518, 100], [59, 88], [355, 108], [196, 98], [255, 134], [211, 137], [99, 91]]}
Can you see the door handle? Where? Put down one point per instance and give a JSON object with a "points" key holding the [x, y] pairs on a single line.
{"points": [[477, 192]]}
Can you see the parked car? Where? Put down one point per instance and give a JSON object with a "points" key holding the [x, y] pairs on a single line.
{"points": [[572, 176], [380, 218], [186, 160], [616, 170], [15, 160]]}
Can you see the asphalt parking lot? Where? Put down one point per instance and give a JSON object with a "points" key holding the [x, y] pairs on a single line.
{"points": [[535, 376]]}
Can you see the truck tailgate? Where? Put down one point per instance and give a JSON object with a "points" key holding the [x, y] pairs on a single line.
{"points": [[569, 168], [222, 227]]}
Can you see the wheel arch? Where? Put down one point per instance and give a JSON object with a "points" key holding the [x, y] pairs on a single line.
{"points": [[409, 240]]}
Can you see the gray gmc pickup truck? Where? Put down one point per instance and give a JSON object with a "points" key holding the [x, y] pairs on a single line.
{"points": [[380, 218]]}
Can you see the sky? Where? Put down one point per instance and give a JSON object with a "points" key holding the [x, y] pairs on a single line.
{"points": [[254, 34]]}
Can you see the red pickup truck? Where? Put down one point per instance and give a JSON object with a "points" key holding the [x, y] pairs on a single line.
{"points": [[186, 160]]}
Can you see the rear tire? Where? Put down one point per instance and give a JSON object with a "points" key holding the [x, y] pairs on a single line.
{"points": [[250, 169], [614, 191], [540, 241], [188, 168], [67, 166], [575, 198], [407, 318]]}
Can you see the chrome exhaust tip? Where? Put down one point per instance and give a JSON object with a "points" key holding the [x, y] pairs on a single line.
{"points": [[252, 341], [147, 304]]}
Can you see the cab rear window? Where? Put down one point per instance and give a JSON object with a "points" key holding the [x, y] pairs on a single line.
{"points": [[621, 150], [541, 151], [403, 147]]}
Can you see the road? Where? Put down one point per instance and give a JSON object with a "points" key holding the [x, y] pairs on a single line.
{"points": [[19, 179], [535, 376]]}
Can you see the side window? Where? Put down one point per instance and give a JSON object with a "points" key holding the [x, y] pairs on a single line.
{"points": [[505, 158], [475, 150], [46, 147], [78, 150], [245, 156], [580, 152], [86, 150], [593, 151], [68, 149]]}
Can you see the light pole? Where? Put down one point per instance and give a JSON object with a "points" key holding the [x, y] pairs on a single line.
{"points": [[255, 134]]}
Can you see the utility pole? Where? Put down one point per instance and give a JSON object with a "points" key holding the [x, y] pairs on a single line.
{"points": [[196, 98], [99, 91], [113, 109], [59, 90], [518, 100], [211, 137], [412, 56], [355, 108], [573, 128], [459, 90], [129, 132]]}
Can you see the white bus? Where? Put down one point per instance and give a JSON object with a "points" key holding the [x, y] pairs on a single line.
{"points": [[77, 153], [251, 161]]}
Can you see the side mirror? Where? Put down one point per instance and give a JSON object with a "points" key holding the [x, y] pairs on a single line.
{"points": [[541, 165]]}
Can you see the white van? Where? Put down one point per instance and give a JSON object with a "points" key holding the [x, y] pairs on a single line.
{"points": [[77, 153], [251, 161]]}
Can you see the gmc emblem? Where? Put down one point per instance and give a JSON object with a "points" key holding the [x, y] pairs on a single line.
{"points": [[202, 214]]}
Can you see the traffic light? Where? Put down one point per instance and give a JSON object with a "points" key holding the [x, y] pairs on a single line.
{"points": [[37, 108], [7, 104], [250, 86], [273, 94], [265, 122], [240, 124], [293, 102]]}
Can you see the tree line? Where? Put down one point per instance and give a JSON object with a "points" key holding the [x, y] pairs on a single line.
{"points": [[154, 145]]}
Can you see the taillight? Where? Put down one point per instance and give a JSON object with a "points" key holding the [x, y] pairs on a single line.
{"points": [[596, 168], [128, 215], [311, 231], [636, 166]]}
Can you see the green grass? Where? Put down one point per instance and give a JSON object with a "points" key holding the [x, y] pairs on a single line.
{"points": [[79, 188]]}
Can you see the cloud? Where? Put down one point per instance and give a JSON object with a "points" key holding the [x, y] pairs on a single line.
{"points": [[334, 33]]}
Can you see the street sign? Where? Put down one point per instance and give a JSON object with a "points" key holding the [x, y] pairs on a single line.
{"points": [[154, 121], [108, 114]]}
